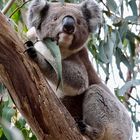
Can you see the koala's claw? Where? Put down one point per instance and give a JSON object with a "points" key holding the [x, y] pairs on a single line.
{"points": [[29, 44], [81, 126], [30, 49]]}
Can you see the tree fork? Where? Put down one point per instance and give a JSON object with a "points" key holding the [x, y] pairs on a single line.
{"points": [[30, 91]]}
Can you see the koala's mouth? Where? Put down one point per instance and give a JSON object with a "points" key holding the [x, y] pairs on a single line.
{"points": [[64, 39]]}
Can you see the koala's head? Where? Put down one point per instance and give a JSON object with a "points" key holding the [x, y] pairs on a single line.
{"points": [[68, 24]]}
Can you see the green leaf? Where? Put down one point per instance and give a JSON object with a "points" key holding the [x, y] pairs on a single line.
{"points": [[106, 48], [102, 56], [134, 8], [112, 5], [25, 133], [62, 2], [93, 48], [128, 85], [55, 51], [106, 70], [126, 2], [33, 138], [132, 19], [11, 133], [17, 16], [120, 97], [7, 133], [1, 132], [131, 38], [20, 123], [120, 57], [123, 29], [118, 40], [110, 45], [8, 113], [118, 54], [132, 35]]}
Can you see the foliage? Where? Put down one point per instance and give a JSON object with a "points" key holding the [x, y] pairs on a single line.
{"points": [[11, 121], [57, 56], [115, 49]]}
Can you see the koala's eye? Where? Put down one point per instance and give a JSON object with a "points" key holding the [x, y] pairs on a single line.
{"points": [[55, 18]]}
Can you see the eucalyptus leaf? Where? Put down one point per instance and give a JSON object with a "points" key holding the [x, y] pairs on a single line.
{"points": [[118, 61], [110, 45], [1, 132], [33, 138], [118, 40], [55, 51], [123, 29], [62, 2], [126, 2], [130, 35], [123, 58], [92, 47], [134, 8], [20, 123], [131, 38], [128, 85], [120, 97], [106, 48], [25, 133], [132, 19], [11, 132], [112, 5], [16, 16], [102, 56], [122, 8], [8, 113]]}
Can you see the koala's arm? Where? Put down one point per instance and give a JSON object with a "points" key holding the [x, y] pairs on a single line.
{"points": [[92, 74], [38, 58], [37, 51]]}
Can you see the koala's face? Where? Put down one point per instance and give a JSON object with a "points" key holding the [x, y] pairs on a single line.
{"points": [[68, 24]]}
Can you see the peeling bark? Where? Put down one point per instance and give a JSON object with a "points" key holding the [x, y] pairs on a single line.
{"points": [[30, 91]]}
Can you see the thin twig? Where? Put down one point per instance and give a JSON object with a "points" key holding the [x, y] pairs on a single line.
{"points": [[133, 98], [7, 7], [18, 8], [106, 6]]}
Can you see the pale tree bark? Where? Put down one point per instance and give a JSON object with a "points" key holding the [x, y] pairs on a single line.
{"points": [[30, 91]]}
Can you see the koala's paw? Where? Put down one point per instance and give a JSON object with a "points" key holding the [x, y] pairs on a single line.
{"points": [[31, 51], [81, 126]]}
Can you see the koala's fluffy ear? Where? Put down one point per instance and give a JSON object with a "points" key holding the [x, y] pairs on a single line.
{"points": [[92, 14], [36, 12]]}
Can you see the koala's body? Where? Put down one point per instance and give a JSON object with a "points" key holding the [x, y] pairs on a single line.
{"points": [[84, 94]]}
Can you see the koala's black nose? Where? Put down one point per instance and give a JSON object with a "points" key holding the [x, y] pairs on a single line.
{"points": [[68, 24]]}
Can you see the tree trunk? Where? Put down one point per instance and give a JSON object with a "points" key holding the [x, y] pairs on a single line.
{"points": [[30, 91]]}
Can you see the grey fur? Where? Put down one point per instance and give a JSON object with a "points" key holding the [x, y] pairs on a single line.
{"points": [[110, 116], [35, 12], [92, 13], [105, 117]]}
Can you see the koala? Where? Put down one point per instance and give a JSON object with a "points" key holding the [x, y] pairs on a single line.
{"points": [[98, 113]]}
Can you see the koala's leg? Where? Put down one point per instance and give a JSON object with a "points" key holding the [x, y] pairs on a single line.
{"points": [[105, 116], [74, 106], [38, 58]]}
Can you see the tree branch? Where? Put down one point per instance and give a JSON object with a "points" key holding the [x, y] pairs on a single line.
{"points": [[30, 91]]}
